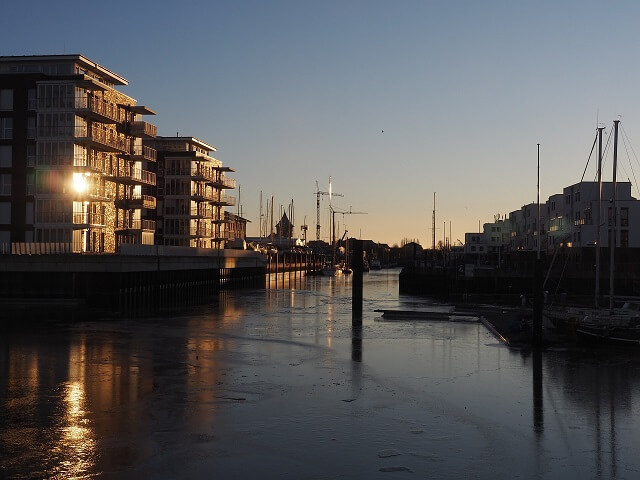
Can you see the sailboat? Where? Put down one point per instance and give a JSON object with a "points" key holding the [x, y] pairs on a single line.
{"points": [[615, 324]]}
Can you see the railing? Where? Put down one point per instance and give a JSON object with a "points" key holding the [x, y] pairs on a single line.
{"points": [[200, 231], [141, 128], [100, 107], [89, 218], [147, 201], [139, 225], [202, 172], [227, 182], [145, 153], [109, 138], [226, 200], [34, 248]]}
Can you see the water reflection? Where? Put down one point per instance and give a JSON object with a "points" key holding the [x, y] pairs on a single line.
{"points": [[272, 381]]}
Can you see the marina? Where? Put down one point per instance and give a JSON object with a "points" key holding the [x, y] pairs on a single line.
{"points": [[276, 383]]}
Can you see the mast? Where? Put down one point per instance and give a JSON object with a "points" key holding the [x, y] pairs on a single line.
{"points": [[598, 219], [433, 226], [614, 215], [538, 201]]}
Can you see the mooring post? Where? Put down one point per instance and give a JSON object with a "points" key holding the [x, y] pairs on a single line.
{"points": [[537, 305], [356, 301]]}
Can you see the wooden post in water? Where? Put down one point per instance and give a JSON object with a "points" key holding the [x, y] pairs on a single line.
{"points": [[356, 297]]}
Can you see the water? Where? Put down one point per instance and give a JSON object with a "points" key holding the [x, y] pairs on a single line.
{"points": [[277, 384]]}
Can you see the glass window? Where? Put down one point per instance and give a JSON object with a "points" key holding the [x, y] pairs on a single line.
{"points": [[6, 99], [5, 184], [5, 156], [5, 213], [6, 127]]}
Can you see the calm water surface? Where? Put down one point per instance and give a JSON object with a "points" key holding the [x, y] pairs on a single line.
{"points": [[277, 384]]}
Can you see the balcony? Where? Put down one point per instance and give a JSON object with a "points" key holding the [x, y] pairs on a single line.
{"points": [[84, 220], [97, 109], [204, 196], [135, 176], [201, 173], [148, 225], [105, 140], [224, 182], [201, 231], [144, 129], [93, 193], [136, 201], [224, 200], [140, 152]]}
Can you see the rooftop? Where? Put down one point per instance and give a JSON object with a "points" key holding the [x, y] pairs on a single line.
{"points": [[80, 59]]}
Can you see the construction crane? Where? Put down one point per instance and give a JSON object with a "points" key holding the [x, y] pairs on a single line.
{"points": [[318, 193], [333, 224]]}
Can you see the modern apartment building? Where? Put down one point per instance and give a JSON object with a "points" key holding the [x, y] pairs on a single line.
{"points": [[570, 219], [191, 187], [72, 162]]}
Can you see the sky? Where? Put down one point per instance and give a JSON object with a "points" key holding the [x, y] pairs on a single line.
{"points": [[393, 100]]}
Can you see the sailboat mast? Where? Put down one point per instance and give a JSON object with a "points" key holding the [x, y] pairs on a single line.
{"points": [[538, 201], [614, 215], [598, 218]]}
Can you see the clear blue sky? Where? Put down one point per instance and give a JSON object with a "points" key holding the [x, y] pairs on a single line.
{"points": [[292, 92]]}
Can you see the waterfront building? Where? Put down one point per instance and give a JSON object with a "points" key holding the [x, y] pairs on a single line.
{"points": [[494, 239], [524, 227], [235, 229], [72, 163], [191, 187], [568, 219], [580, 203]]}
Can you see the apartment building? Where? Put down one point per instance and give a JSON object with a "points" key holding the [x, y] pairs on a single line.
{"points": [[493, 239], [580, 215], [191, 187], [72, 162]]}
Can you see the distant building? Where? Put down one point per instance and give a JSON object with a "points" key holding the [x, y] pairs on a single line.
{"points": [[235, 227], [191, 193], [72, 164], [494, 239], [284, 228]]}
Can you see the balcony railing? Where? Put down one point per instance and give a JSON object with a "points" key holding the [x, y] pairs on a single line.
{"points": [[200, 231], [99, 109], [95, 193], [141, 128], [224, 200], [226, 182], [141, 152], [89, 219], [105, 138], [54, 217], [134, 175], [138, 225], [138, 200]]}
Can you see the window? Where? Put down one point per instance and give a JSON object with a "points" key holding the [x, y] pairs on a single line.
{"points": [[5, 156], [5, 184], [5, 213], [6, 127], [624, 217], [31, 127], [6, 99], [31, 99], [31, 155], [624, 238]]}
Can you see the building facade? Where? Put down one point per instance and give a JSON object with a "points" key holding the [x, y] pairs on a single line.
{"points": [[72, 163], [191, 187]]}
